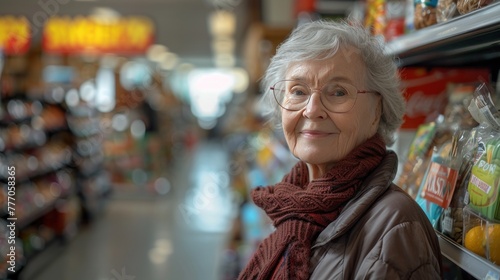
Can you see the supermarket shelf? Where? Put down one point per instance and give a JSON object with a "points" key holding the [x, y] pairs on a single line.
{"points": [[40, 259], [467, 39], [468, 261]]}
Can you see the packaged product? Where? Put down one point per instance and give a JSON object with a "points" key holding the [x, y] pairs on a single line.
{"points": [[395, 19], [484, 184], [457, 115], [417, 159], [451, 220], [440, 179], [446, 10], [409, 16], [471, 134], [482, 108], [375, 16], [467, 6], [474, 234], [425, 13], [481, 236]]}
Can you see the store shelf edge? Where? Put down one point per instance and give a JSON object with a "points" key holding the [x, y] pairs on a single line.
{"points": [[472, 264], [451, 32]]}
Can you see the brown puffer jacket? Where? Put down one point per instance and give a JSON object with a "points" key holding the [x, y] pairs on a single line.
{"points": [[381, 234]]}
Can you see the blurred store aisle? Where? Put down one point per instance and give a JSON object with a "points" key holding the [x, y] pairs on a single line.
{"points": [[180, 236]]}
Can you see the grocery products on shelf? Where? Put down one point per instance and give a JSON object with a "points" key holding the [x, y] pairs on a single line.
{"points": [[467, 6], [48, 159], [481, 236], [459, 190], [425, 13]]}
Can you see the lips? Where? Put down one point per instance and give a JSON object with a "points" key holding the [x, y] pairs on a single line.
{"points": [[315, 133]]}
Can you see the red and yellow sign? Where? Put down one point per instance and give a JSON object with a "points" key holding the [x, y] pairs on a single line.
{"points": [[15, 35], [129, 35]]}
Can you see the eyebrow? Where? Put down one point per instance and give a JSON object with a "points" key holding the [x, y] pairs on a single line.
{"points": [[333, 79]]}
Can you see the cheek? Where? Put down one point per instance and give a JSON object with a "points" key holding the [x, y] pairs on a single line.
{"points": [[289, 123], [355, 129], [349, 132]]}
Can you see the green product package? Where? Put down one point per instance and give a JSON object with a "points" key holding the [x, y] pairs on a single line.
{"points": [[484, 182]]}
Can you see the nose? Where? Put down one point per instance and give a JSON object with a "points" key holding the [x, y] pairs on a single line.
{"points": [[314, 107]]}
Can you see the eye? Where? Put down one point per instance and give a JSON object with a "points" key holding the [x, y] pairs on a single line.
{"points": [[336, 91], [298, 90]]}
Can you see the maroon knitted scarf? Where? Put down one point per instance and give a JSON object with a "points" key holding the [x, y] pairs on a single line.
{"points": [[300, 210]]}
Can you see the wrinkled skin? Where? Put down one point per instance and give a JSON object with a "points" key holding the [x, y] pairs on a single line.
{"points": [[319, 137]]}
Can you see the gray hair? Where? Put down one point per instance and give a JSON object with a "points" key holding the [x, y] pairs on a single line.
{"points": [[321, 40]]}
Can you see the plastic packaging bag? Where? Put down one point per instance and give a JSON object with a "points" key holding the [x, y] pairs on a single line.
{"points": [[446, 10], [484, 183], [467, 6], [425, 13], [451, 220], [440, 180]]}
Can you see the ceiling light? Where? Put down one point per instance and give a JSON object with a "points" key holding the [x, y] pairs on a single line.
{"points": [[222, 23]]}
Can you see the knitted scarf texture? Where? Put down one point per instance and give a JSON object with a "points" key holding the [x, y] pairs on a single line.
{"points": [[300, 210]]}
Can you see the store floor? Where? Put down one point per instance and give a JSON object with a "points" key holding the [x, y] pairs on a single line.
{"points": [[180, 236]]}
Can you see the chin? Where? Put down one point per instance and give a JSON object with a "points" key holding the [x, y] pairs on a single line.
{"points": [[315, 159]]}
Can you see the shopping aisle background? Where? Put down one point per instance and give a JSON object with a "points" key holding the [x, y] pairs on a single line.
{"points": [[180, 236]]}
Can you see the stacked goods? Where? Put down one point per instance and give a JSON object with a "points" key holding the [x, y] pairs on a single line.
{"points": [[467, 6], [440, 180], [482, 229], [459, 192], [433, 135], [484, 182], [446, 10], [410, 178], [481, 236], [451, 220], [425, 13]]}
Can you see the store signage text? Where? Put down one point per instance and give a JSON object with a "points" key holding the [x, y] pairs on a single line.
{"points": [[130, 35], [15, 35]]}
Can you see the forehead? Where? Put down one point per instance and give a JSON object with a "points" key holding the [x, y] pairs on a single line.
{"points": [[345, 63]]}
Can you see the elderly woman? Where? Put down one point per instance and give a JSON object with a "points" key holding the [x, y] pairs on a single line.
{"points": [[337, 213]]}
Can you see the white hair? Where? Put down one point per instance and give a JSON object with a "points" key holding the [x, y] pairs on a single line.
{"points": [[321, 40]]}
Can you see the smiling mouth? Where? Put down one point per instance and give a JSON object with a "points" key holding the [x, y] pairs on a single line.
{"points": [[315, 133]]}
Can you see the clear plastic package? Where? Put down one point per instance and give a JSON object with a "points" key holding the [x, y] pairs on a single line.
{"points": [[481, 236], [425, 13], [451, 223], [446, 10], [467, 6], [484, 183]]}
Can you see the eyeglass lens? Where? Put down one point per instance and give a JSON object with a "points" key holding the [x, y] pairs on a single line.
{"points": [[336, 97]]}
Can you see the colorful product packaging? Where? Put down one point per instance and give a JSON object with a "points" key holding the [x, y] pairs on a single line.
{"points": [[484, 183]]}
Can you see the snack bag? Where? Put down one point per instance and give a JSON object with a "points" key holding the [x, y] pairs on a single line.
{"points": [[451, 220], [484, 184], [467, 6], [425, 13], [446, 10], [413, 169], [441, 194], [431, 210]]}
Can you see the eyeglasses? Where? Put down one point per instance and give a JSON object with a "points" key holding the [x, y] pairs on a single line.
{"points": [[336, 97]]}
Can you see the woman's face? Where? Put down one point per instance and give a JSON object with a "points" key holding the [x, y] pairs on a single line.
{"points": [[317, 136]]}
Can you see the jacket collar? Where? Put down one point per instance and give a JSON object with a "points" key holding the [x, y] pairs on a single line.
{"points": [[371, 189]]}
